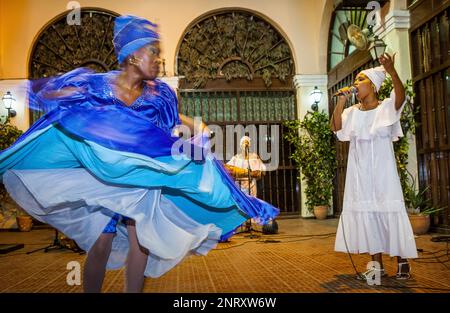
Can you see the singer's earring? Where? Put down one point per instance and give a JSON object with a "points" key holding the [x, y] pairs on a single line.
{"points": [[134, 61]]}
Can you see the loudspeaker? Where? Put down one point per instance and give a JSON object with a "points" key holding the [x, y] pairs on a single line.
{"points": [[270, 228]]}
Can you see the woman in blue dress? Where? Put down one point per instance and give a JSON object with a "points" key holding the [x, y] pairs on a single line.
{"points": [[103, 167]]}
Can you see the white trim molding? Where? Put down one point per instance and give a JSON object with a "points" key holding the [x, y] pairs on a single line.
{"points": [[397, 19], [305, 80], [172, 81]]}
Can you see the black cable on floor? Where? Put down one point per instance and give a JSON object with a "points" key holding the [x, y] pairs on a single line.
{"points": [[12, 254], [273, 239], [434, 257]]}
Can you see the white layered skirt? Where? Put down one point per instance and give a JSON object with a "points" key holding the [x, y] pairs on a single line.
{"points": [[80, 206]]}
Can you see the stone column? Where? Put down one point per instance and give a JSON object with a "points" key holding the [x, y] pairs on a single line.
{"points": [[305, 83]]}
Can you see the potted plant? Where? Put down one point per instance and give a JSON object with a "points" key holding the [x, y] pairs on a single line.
{"points": [[315, 156], [419, 208], [24, 221]]}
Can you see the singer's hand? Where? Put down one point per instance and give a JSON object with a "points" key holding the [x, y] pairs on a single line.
{"points": [[346, 91], [388, 62], [343, 95]]}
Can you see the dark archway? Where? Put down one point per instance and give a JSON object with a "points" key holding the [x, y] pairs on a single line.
{"points": [[236, 70]]}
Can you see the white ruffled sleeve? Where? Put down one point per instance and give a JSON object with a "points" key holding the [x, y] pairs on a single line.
{"points": [[389, 117], [232, 161], [344, 133]]}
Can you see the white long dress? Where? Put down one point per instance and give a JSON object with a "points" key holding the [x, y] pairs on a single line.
{"points": [[374, 218]]}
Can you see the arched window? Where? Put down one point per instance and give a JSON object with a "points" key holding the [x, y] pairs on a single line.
{"points": [[60, 47], [233, 44], [339, 47]]}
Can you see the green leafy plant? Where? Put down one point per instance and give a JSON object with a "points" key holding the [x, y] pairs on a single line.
{"points": [[315, 156], [418, 202], [20, 212], [430, 210], [8, 135]]}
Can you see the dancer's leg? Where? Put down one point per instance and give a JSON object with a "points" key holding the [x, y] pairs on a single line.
{"points": [[136, 262], [95, 265], [378, 258]]}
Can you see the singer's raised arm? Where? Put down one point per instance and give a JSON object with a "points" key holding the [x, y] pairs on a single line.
{"points": [[388, 63]]}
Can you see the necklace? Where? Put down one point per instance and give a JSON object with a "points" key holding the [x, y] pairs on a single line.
{"points": [[362, 108], [111, 82]]}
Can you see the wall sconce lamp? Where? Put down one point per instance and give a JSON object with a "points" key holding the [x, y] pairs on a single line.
{"points": [[316, 96], [8, 101], [377, 48]]}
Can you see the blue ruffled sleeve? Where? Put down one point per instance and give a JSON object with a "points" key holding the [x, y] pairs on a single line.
{"points": [[48, 93], [160, 106], [169, 114]]}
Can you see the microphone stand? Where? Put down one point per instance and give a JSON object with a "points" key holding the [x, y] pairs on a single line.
{"points": [[247, 155], [57, 245]]}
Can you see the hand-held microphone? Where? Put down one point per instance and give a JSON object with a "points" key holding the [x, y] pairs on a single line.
{"points": [[343, 91]]}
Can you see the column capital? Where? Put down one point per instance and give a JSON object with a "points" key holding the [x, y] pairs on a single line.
{"points": [[396, 19], [306, 80]]}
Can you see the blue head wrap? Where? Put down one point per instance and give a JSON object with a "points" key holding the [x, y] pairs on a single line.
{"points": [[132, 33]]}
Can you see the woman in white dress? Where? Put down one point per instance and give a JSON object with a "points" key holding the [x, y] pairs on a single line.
{"points": [[374, 218]]}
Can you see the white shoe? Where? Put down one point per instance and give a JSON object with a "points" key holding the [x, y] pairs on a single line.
{"points": [[370, 273], [401, 275]]}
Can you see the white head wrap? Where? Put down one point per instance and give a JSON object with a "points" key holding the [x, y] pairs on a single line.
{"points": [[377, 75], [245, 138]]}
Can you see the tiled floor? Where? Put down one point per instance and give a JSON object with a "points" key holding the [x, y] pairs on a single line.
{"points": [[292, 261]]}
